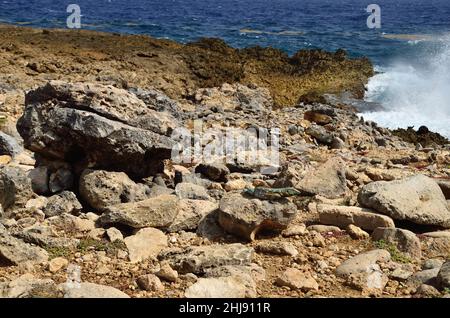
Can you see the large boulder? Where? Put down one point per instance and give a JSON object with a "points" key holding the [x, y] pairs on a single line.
{"points": [[97, 126], [159, 212], [15, 187], [246, 216], [9, 145], [327, 180], [101, 189], [14, 251], [406, 241], [199, 259], [417, 199]]}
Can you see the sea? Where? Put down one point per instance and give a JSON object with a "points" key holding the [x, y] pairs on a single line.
{"points": [[410, 45]]}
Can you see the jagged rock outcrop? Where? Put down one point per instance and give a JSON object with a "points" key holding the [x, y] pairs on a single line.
{"points": [[97, 126]]}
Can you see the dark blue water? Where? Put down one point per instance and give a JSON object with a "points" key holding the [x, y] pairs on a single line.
{"points": [[327, 24], [414, 85]]}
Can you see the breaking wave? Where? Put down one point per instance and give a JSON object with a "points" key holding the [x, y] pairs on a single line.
{"points": [[414, 91]]}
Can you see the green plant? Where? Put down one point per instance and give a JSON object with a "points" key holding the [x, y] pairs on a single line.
{"points": [[57, 251], [87, 244], [396, 255]]}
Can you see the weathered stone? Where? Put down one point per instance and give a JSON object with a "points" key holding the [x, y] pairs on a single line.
{"points": [[14, 251], [428, 276], [91, 290], [146, 243], [64, 202], [158, 212], [406, 241], [362, 263], [293, 230], [104, 188], [167, 273], [443, 277], [417, 199], [62, 179], [9, 145], [190, 214], [197, 259], [445, 187], [277, 248], [56, 264], [327, 180], [356, 232], [150, 282], [28, 286], [15, 187], [432, 263], [425, 290], [213, 171], [44, 237], [186, 190], [220, 287], [295, 279], [319, 228], [39, 179], [245, 217], [112, 129], [343, 216], [400, 274], [114, 234]]}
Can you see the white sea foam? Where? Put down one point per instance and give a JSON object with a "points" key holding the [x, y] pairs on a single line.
{"points": [[414, 93]]}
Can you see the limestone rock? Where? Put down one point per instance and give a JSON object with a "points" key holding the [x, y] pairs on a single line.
{"points": [[406, 241], [150, 282], [9, 145], [343, 216], [15, 187], [190, 214], [158, 212], [14, 251], [146, 243], [245, 216], [197, 259], [104, 188], [64, 202], [295, 279], [417, 199], [96, 125], [91, 290], [327, 180], [187, 190], [219, 287], [443, 276]]}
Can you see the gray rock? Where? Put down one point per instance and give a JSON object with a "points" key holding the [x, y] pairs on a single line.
{"points": [[158, 212], [432, 263], [327, 180], [9, 145], [96, 125], [246, 216], [320, 134], [39, 179], [15, 187], [362, 263], [44, 237], [61, 180], [101, 189], [198, 259], [425, 277], [14, 251], [186, 190], [90, 290], [190, 214], [406, 241], [27, 286], [64, 202], [220, 287], [443, 277], [417, 199], [343, 216]]}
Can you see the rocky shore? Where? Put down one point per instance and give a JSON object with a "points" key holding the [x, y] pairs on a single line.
{"points": [[93, 204]]}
